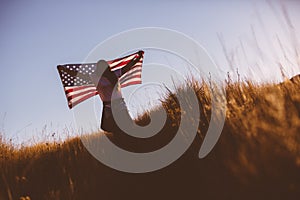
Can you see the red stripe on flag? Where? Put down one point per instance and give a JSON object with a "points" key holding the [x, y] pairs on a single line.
{"points": [[124, 62], [72, 104], [131, 83], [77, 88], [81, 93], [129, 77]]}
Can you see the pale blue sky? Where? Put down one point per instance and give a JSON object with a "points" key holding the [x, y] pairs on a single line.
{"points": [[36, 36]]}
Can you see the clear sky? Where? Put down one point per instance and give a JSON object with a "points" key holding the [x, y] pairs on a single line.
{"points": [[36, 36]]}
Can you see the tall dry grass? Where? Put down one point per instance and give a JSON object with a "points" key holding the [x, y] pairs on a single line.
{"points": [[256, 157]]}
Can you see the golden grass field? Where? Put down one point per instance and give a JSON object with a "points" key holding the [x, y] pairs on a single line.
{"points": [[256, 157]]}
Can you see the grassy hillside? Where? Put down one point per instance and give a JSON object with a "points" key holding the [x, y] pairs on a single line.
{"points": [[256, 157]]}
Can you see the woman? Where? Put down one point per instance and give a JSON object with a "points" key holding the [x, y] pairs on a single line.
{"points": [[109, 90]]}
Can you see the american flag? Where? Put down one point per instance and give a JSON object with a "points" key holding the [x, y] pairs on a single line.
{"points": [[78, 86]]}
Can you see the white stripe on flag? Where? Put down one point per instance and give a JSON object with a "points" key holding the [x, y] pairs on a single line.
{"points": [[88, 89], [131, 80], [78, 99], [123, 60], [133, 70]]}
